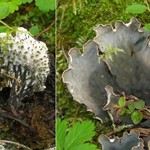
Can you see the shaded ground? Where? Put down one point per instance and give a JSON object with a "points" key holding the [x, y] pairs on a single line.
{"points": [[35, 124]]}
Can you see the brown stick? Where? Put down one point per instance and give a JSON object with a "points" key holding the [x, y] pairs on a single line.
{"points": [[146, 117], [4, 114], [48, 28], [65, 55], [14, 143]]}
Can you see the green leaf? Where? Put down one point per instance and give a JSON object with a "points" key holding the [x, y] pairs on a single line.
{"points": [[26, 1], [139, 104], [109, 51], [78, 134], [4, 10], [74, 7], [17, 2], [46, 5], [147, 26], [131, 106], [3, 29], [136, 9], [12, 7], [85, 146], [128, 111], [122, 112], [121, 102], [34, 30], [110, 57], [136, 117], [61, 129], [8, 7]]}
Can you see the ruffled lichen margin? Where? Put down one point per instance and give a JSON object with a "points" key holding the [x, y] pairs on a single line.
{"points": [[88, 77]]}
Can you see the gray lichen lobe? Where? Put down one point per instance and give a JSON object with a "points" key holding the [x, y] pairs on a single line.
{"points": [[129, 72], [99, 83], [127, 142]]}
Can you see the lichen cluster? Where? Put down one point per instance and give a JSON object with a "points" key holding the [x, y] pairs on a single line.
{"points": [[25, 63], [99, 83], [87, 75]]}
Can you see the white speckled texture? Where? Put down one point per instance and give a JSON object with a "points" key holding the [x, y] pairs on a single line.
{"points": [[26, 60]]}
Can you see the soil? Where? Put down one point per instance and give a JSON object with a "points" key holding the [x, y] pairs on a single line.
{"points": [[34, 123]]}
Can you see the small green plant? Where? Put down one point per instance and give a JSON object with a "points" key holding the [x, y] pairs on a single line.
{"points": [[136, 8], [76, 137], [46, 5], [135, 108], [109, 51], [9, 6], [34, 30]]}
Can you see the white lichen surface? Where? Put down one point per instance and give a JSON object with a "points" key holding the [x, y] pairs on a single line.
{"points": [[25, 61]]}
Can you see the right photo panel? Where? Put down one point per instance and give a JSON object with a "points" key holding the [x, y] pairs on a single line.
{"points": [[103, 75]]}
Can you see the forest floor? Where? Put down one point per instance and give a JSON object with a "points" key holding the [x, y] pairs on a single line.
{"points": [[33, 124]]}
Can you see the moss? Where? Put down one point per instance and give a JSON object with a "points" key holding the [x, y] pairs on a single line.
{"points": [[73, 31], [38, 110]]}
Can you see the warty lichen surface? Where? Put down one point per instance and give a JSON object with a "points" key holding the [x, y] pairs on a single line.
{"points": [[25, 64]]}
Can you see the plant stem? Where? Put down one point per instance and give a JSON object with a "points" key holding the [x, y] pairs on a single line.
{"points": [[15, 143], [48, 28], [147, 5], [6, 25]]}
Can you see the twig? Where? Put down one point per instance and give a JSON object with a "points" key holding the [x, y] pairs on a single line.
{"points": [[4, 114], [143, 131], [11, 77], [147, 106], [146, 117], [15, 143], [147, 5], [5, 24], [65, 55], [48, 28]]}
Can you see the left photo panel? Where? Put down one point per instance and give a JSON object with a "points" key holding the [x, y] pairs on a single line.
{"points": [[27, 74]]}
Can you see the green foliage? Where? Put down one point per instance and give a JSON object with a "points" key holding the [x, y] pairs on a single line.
{"points": [[122, 102], [27, 15], [13, 5], [136, 117], [26, 1], [3, 29], [34, 30], [76, 137], [46, 5], [109, 51], [131, 107], [61, 133], [4, 41], [10, 6], [7, 7], [139, 104], [31, 18], [75, 27], [136, 9], [76, 4], [134, 108], [147, 27], [4, 10]]}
